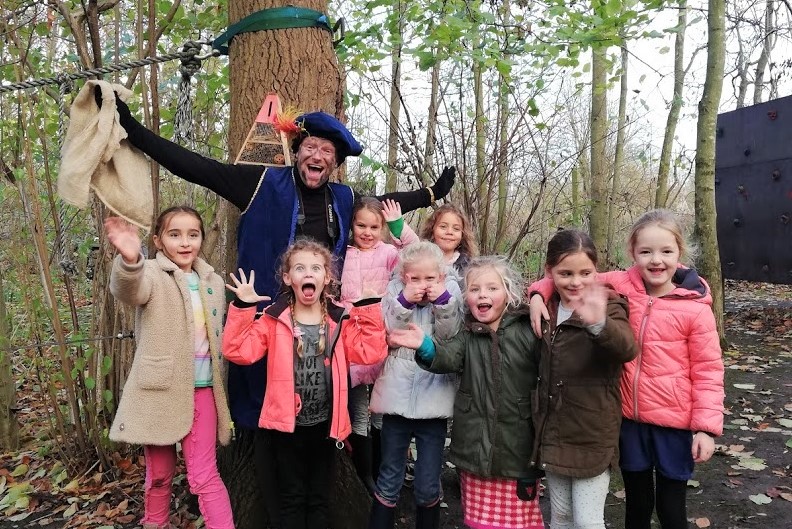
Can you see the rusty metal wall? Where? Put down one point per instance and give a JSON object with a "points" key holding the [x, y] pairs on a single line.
{"points": [[753, 192]]}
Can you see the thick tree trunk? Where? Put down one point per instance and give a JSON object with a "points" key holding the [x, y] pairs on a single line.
{"points": [[705, 233], [300, 65]]}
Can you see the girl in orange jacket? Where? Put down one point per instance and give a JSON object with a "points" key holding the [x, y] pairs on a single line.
{"points": [[308, 346]]}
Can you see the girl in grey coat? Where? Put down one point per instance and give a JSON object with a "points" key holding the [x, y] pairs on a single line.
{"points": [[413, 401]]}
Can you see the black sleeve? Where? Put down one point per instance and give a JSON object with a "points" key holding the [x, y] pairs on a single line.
{"points": [[235, 183], [409, 200]]}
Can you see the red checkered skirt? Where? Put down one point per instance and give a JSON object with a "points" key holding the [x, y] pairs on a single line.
{"points": [[492, 503]]}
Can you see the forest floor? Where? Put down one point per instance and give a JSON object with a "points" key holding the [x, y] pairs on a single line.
{"points": [[746, 485]]}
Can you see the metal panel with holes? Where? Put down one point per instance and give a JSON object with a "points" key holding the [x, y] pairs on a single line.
{"points": [[753, 192]]}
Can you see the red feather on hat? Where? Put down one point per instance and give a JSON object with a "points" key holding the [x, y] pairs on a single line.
{"points": [[285, 122]]}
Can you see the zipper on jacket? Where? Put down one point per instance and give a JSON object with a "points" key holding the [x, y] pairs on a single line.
{"points": [[539, 433], [639, 358]]}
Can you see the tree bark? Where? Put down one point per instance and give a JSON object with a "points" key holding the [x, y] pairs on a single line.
{"points": [[9, 427], [661, 193], [768, 43], [618, 160], [395, 97], [599, 133], [480, 120], [706, 234], [503, 142], [300, 65]]}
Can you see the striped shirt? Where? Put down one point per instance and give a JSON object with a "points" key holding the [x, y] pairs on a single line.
{"points": [[203, 359]]}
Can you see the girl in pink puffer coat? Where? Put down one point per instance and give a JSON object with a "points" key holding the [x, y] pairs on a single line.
{"points": [[368, 266], [672, 393]]}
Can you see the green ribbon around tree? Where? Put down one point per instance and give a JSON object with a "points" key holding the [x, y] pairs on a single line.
{"points": [[274, 18]]}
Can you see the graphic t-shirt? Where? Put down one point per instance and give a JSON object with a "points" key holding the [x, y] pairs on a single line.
{"points": [[309, 378], [203, 360]]}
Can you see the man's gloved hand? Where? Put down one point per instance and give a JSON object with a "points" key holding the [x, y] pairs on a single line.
{"points": [[527, 489], [125, 118], [444, 183]]}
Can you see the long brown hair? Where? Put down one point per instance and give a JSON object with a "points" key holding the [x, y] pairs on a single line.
{"points": [[468, 245]]}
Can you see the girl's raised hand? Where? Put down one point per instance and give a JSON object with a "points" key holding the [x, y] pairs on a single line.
{"points": [[435, 290], [412, 337], [124, 236], [592, 306], [538, 312], [391, 210], [244, 289], [412, 291]]}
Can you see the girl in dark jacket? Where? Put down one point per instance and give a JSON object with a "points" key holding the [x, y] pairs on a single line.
{"points": [[497, 357], [577, 407]]}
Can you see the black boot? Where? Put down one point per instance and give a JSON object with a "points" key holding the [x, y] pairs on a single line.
{"points": [[361, 458], [427, 517], [382, 516]]}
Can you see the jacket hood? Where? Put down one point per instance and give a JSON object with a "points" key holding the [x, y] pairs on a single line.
{"points": [[689, 285]]}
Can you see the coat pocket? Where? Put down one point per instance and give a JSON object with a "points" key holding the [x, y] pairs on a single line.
{"points": [[155, 372]]}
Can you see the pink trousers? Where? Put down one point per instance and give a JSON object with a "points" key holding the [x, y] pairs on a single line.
{"points": [[202, 475]]}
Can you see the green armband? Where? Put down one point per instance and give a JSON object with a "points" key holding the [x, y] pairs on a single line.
{"points": [[396, 227]]}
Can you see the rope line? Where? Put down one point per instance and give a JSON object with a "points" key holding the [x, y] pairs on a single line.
{"points": [[189, 53], [120, 336], [62, 246]]}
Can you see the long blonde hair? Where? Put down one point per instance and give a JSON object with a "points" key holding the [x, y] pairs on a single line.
{"points": [[311, 246]]}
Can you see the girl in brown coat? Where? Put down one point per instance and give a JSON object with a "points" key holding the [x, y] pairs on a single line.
{"points": [[577, 409], [174, 391]]}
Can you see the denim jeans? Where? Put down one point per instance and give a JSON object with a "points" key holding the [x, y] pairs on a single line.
{"points": [[430, 437]]}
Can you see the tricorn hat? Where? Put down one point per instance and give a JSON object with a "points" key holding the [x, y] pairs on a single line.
{"points": [[323, 125]]}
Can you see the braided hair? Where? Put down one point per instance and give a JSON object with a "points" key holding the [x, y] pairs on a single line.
{"points": [[305, 244]]}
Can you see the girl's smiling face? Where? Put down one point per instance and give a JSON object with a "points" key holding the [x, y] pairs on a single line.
{"points": [[656, 255], [486, 296], [180, 239], [366, 229], [307, 276], [572, 275], [447, 233]]}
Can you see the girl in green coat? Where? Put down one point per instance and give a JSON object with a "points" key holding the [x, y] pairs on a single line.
{"points": [[497, 358]]}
